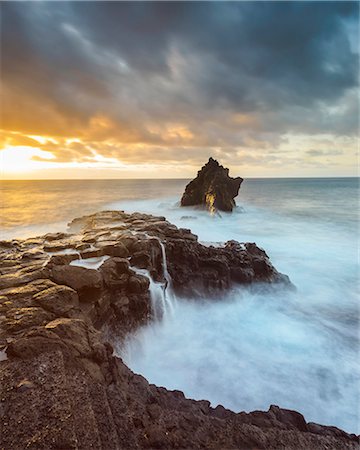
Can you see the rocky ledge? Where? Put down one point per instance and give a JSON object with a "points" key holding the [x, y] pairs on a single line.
{"points": [[61, 387]]}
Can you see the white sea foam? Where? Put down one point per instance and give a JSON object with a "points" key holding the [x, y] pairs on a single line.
{"points": [[298, 350], [247, 351], [90, 263]]}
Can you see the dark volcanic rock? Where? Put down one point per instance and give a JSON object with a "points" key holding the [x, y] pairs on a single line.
{"points": [[60, 300], [85, 282], [61, 387], [213, 188]]}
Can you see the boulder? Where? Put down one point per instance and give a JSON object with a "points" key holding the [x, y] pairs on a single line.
{"points": [[113, 248], [85, 281], [138, 284], [73, 332], [213, 188], [115, 272]]}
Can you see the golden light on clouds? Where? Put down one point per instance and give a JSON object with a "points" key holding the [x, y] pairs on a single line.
{"points": [[244, 119], [117, 91], [27, 161], [21, 162], [169, 150], [101, 121], [42, 139], [178, 131], [68, 157]]}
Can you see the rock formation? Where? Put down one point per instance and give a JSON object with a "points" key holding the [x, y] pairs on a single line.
{"points": [[61, 387], [213, 188]]}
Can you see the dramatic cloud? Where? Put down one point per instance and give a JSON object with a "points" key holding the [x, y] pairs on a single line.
{"points": [[156, 82]]}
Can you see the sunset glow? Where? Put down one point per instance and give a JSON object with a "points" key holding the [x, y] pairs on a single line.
{"points": [[145, 105], [20, 160], [179, 225]]}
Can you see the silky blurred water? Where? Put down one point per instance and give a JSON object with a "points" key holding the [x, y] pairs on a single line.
{"points": [[299, 350]]}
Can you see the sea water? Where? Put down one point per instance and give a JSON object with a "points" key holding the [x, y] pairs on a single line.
{"points": [[299, 350]]}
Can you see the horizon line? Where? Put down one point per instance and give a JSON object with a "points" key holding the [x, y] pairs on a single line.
{"points": [[125, 179]]}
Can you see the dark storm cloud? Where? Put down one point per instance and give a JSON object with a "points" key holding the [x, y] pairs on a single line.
{"points": [[145, 64], [299, 49]]}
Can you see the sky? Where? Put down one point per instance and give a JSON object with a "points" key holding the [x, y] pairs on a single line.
{"points": [[153, 89]]}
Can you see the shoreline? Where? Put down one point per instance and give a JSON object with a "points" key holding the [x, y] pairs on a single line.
{"points": [[52, 310]]}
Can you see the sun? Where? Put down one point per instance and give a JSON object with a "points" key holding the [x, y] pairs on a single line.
{"points": [[19, 160]]}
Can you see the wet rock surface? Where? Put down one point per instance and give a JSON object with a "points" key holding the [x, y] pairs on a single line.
{"points": [[61, 386], [212, 188]]}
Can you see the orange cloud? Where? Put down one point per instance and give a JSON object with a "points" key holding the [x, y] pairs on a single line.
{"points": [[11, 138]]}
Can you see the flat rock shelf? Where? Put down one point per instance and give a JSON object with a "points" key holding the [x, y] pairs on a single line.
{"points": [[61, 385]]}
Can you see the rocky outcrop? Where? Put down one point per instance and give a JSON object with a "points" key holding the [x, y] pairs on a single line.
{"points": [[61, 388], [60, 384], [213, 188], [40, 272]]}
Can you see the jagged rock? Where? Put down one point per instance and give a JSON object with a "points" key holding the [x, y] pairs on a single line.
{"points": [[138, 284], [60, 300], [61, 386], [27, 291], [55, 236], [74, 333], [113, 248], [213, 188], [22, 276], [115, 272], [82, 280], [17, 319], [64, 387]]}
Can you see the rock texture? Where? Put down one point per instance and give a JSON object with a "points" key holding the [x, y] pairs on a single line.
{"points": [[61, 387], [213, 188]]}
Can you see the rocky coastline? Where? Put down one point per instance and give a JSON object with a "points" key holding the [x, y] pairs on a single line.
{"points": [[61, 387]]}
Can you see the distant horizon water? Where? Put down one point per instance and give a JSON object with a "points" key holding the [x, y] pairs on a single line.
{"points": [[174, 178], [36, 206]]}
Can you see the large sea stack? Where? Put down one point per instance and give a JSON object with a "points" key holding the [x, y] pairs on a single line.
{"points": [[213, 188]]}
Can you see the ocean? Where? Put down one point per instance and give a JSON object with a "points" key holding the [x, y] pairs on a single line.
{"points": [[247, 350]]}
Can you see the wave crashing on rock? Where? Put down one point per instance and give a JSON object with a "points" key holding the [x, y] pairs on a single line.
{"points": [[61, 385]]}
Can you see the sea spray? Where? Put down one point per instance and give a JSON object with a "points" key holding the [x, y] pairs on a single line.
{"points": [[248, 350]]}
